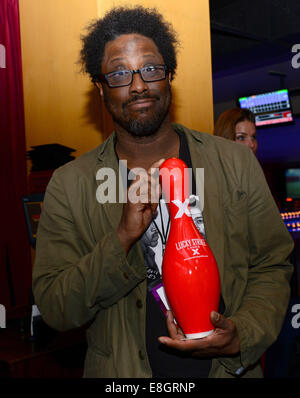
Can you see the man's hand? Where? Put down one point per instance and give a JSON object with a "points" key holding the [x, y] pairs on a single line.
{"points": [[136, 217], [223, 341]]}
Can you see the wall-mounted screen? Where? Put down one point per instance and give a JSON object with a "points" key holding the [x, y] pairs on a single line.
{"points": [[269, 108], [292, 183]]}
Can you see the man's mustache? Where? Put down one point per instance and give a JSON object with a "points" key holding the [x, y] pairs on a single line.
{"points": [[135, 98]]}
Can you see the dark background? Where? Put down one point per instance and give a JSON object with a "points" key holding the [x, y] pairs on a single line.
{"points": [[252, 44]]}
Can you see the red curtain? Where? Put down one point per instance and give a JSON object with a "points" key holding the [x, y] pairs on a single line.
{"points": [[15, 258]]}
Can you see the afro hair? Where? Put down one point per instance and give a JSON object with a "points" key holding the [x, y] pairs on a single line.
{"points": [[124, 20]]}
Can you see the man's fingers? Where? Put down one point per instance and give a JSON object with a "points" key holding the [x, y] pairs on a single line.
{"points": [[175, 333], [157, 164], [171, 326], [219, 321], [155, 187], [224, 340], [181, 344], [146, 187]]}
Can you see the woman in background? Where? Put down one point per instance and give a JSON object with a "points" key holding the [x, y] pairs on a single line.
{"points": [[238, 125]]}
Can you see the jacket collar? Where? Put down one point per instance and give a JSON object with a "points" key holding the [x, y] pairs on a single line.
{"points": [[107, 158]]}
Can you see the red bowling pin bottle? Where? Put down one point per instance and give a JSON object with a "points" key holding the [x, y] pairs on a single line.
{"points": [[189, 270]]}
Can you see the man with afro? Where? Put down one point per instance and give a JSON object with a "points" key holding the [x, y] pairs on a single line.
{"points": [[98, 263]]}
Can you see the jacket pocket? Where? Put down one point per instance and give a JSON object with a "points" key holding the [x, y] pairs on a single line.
{"points": [[98, 365], [236, 216], [235, 200], [98, 337], [236, 250]]}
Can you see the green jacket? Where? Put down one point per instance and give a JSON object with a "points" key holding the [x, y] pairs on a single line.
{"points": [[81, 274]]}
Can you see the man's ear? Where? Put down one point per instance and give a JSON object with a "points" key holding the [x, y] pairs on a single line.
{"points": [[99, 85]]}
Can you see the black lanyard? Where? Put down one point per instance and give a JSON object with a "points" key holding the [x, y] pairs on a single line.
{"points": [[162, 233]]}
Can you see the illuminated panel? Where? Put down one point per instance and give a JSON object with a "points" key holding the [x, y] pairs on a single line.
{"points": [[292, 220], [269, 108]]}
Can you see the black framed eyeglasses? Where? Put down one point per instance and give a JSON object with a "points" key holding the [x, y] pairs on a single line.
{"points": [[120, 78]]}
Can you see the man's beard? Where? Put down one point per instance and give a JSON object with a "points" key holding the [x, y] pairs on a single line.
{"points": [[142, 127]]}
